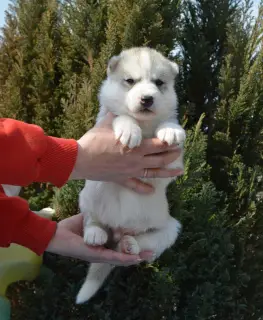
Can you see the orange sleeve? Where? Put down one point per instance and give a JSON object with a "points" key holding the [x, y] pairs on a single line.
{"points": [[21, 226], [28, 155]]}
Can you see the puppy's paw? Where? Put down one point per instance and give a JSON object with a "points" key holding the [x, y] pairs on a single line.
{"points": [[127, 132], [171, 133], [95, 236], [129, 245]]}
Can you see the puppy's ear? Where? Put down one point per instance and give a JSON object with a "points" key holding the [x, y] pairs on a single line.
{"points": [[112, 65], [175, 68]]}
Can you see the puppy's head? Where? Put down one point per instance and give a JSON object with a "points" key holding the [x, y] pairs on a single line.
{"points": [[140, 83]]}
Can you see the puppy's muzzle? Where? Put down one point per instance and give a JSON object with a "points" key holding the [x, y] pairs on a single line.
{"points": [[146, 102]]}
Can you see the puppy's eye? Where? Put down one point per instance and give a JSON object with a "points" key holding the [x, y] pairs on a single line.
{"points": [[130, 81], [159, 82]]}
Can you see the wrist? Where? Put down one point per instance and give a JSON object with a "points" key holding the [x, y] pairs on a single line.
{"points": [[29, 229], [75, 173]]}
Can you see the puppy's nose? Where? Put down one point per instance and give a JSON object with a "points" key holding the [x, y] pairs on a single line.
{"points": [[146, 101]]}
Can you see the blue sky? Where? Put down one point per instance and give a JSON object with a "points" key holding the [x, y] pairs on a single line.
{"points": [[255, 6], [4, 5]]}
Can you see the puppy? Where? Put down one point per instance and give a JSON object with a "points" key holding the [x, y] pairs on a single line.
{"points": [[139, 89]]}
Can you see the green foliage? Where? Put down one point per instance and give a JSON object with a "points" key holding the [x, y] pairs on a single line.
{"points": [[236, 149], [65, 200], [31, 78], [120, 22], [203, 40], [38, 195]]}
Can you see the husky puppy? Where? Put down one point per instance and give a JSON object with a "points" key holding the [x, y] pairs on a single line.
{"points": [[139, 89]]}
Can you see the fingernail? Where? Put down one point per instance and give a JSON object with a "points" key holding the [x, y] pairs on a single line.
{"points": [[147, 190], [176, 173], [144, 188]]}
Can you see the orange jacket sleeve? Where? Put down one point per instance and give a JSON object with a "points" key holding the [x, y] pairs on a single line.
{"points": [[28, 155]]}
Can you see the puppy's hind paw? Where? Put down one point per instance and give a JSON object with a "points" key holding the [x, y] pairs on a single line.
{"points": [[129, 245]]}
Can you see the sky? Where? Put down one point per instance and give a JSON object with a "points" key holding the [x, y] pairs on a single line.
{"points": [[255, 6], [4, 6]]}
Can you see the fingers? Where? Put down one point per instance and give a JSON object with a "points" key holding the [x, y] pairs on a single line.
{"points": [[160, 160], [146, 255], [141, 187], [161, 173], [101, 254], [138, 186], [67, 243], [121, 259], [152, 146]]}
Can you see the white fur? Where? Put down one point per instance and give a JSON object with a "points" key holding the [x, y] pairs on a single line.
{"points": [[144, 220]]}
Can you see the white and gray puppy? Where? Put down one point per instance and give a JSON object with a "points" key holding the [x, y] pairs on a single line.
{"points": [[139, 89]]}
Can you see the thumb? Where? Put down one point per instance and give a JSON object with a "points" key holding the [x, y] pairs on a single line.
{"points": [[107, 122]]}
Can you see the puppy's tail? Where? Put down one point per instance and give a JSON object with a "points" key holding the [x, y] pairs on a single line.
{"points": [[97, 274]]}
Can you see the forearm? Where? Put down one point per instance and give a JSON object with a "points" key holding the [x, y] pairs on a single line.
{"points": [[28, 155], [21, 226]]}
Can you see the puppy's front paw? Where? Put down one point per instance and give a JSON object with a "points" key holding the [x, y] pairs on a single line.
{"points": [[171, 133], [95, 236], [128, 132], [129, 245]]}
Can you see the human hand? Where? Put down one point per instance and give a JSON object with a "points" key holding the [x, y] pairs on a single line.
{"points": [[101, 157], [68, 241]]}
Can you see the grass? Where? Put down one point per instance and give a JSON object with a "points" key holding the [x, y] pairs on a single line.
{"points": [[126, 296], [51, 295]]}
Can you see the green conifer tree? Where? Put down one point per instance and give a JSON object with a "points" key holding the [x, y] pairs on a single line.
{"points": [[202, 41], [156, 21], [11, 67], [30, 54], [236, 150]]}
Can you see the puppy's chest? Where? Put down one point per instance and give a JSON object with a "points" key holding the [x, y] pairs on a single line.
{"points": [[148, 129]]}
